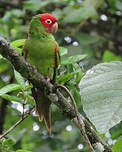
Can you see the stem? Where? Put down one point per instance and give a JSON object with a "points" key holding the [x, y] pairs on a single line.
{"points": [[17, 123], [13, 127], [80, 119]]}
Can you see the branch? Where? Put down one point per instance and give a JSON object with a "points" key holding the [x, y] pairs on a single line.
{"points": [[3, 109], [30, 73], [17, 123], [80, 121], [13, 127]]}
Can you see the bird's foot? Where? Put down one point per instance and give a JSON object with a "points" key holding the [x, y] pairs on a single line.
{"points": [[47, 78]]}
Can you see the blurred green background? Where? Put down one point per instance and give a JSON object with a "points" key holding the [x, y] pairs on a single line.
{"points": [[91, 27]]}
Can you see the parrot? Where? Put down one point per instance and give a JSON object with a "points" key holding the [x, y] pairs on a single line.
{"points": [[42, 51]]}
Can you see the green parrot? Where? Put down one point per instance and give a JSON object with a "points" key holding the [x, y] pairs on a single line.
{"points": [[42, 51]]}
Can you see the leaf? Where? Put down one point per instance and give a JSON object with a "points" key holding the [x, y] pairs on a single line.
{"points": [[19, 78], [2, 83], [63, 51], [86, 39], [75, 50], [18, 43], [18, 13], [34, 5], [116, 131], [101, 91], [57, 13], [5, 65], [72, 59], [1, 56], [109, 56], [9, 142], [119, 6], [76, 95], [118, 145], [79, 14], [9, 88], [22, 150], [63, 79], [18, 50], [80, 73], [11, 98]]}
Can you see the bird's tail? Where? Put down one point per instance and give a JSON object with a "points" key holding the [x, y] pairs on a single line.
{"points": [[42, 108]]}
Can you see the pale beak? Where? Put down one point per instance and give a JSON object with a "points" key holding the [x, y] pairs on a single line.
{"points": [[54, 27]]}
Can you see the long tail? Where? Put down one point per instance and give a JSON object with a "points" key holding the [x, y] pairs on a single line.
{"points": [[42, 107]]}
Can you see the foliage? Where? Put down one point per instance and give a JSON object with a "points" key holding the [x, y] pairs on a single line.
{"points": [[101, 95], [89, 33], [118, 145]]}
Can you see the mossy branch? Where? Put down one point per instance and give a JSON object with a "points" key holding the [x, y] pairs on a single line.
{"points": [[30, 73]]}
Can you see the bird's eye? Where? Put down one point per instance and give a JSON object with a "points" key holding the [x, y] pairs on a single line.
{"points": [[48, 21]]}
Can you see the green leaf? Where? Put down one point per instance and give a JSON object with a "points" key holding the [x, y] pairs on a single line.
{"points": [[19, 78], [86, 39], [34, 5], [76, 95], [18, 12], [109, 56], [5, 65], [2, 83], [116, 131], [63, 79], [11, 98], [22, 150], [1, 56], [118, 145], [18, 43], [30, 100], [101, 91], [63, 51], [119, 6], [80, 74], [18, 50], [9, 142], [72, 59], [79, 14], [9, 88]]}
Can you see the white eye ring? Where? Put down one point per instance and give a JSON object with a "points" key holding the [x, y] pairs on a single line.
{"points": [[48, 21]]}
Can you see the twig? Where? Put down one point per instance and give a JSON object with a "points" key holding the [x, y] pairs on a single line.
{"points": [[79, 26], [16, 124], [80, 120], [23, 112], [13, 127], [3, 109]]}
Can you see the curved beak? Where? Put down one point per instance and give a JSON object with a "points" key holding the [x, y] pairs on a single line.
{"points": [[54, 27]]}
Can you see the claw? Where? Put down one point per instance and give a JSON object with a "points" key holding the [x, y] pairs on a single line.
{"points": [[47, 78]]}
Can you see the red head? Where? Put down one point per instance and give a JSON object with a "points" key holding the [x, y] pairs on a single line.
{"points": [[49, 22]]}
